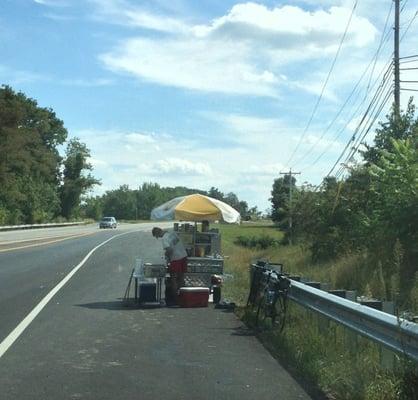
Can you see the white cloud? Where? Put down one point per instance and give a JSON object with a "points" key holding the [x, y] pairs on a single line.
{"points": [[287, 26], [269, 170], [140, 138], [242, 52], [86, 82], [181, 166], [52, 3], [122, 12]]}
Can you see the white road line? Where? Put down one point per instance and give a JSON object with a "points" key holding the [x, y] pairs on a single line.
{"points": [[14, 335]]}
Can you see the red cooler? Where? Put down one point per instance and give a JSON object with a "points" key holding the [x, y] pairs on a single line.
{"points": [[193, 297]]}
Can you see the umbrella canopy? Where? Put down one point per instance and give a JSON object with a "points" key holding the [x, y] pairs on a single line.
{"points": [[195, 207]]}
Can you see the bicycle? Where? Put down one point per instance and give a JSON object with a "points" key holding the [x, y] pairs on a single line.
{"points": [[268, 291]]}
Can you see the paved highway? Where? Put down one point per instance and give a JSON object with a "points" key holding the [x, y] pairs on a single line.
{"points": [[65, 334]]}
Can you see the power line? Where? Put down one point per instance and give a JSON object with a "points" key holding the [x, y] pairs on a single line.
{"points": [[409, 25], [404, 5], [383, 40], [325, 84], [364, 132], [408, 61], [363, 135], [413, 56], [356, 146], [385, 71], [373, 104]]}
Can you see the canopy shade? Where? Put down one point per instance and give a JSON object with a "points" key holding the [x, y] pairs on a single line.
{"points": [[195, 207]]}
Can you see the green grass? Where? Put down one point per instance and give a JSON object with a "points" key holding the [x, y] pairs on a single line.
{"points": [[321, 352]]}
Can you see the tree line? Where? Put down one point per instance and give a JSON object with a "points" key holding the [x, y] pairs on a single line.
{"points": [[373, 211], [136, 204], [36, 183]]}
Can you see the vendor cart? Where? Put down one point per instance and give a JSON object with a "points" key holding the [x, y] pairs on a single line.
{"points": [[205, 264]]}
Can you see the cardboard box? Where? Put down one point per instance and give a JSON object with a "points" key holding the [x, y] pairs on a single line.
{"points": [[193, 297]]}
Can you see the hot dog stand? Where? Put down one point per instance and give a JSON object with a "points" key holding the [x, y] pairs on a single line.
{"points": [[205, 264]]}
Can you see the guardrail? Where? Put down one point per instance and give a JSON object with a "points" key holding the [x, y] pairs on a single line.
{"points": [[37, 226], [397, 334]]}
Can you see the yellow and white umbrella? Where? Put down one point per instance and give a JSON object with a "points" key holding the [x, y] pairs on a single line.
{"points": [[195, 207]]}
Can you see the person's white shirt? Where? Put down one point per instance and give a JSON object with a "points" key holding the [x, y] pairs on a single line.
{"points": [[172, 241]]}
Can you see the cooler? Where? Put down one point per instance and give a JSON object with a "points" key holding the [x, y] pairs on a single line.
{"points": [[193, 297]]}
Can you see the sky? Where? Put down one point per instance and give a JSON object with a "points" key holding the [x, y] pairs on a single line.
{"points": [[203, 93]]}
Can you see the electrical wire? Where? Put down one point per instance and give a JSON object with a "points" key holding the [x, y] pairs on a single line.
{"points": [[409, 25], [363, 135], [325, 84], [385, 72], [372, 106], [383, 40], [407, 89], [380, 44], [412, 56]]}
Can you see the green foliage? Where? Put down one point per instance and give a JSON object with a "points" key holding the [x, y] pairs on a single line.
{"points": [[30, 164], [326, 355], [372, 211], [133, 204], [29, 159], [92, 207], [76, 181], [280, 199], [260, 242]]}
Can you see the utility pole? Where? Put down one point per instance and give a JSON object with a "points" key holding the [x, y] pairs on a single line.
{"points": [[396, 61], [290, 174]]}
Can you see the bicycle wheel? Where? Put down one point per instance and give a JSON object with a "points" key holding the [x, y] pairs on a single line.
{"points": [[278, 317], [260, 310]]}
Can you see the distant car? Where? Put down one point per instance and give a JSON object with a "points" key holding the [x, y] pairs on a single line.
{"points": [[108, 222]]}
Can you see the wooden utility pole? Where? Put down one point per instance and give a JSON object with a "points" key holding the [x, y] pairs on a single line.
{"points": [[290, 174], [396, 60]]}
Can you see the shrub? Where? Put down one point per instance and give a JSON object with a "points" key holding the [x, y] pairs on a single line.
{"points": [[258, 242]]}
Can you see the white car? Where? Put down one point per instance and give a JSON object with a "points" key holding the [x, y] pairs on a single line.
{"points": [[108, 222]]}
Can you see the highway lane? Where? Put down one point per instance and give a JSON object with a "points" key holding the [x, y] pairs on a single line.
{"points": [[28, 274], [19, 239], [86, 345]]}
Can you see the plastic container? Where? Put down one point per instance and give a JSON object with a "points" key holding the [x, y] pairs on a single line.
{"points": [[147, 292], [193, 297]]}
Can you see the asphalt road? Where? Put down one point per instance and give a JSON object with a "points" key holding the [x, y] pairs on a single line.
{"points": [[85, 344]]}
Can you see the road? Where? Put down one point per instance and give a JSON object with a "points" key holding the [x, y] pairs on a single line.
{"points": [[86, 344]]}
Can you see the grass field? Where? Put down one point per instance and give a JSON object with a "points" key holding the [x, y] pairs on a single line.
{"points": [[327, 356]]}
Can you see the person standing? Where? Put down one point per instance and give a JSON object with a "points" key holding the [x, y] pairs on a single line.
{"points": [[176, 257]]}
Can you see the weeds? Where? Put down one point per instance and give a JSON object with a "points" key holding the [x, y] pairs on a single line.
{"points": [[323, 353]]}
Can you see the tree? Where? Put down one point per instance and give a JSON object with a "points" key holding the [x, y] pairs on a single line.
{"points": [[403, 126], [92, 207], [76, 181], [280, 199], [120, 203], [215, 193], [29, 159]]}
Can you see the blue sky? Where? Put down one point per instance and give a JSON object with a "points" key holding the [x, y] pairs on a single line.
{"points": [[198, 93]]}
